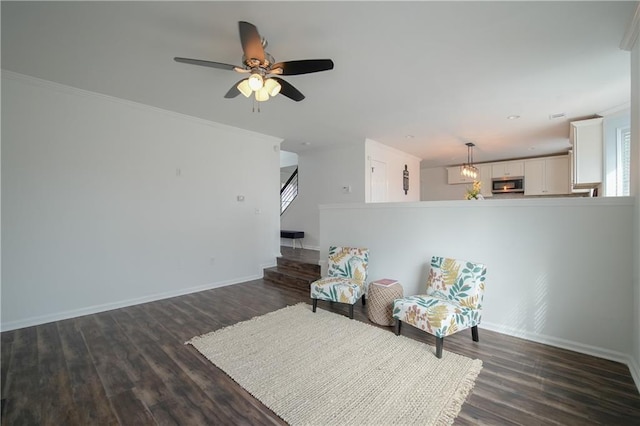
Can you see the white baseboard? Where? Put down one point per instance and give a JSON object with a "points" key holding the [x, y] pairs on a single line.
{"points": [[59, 316], [634, 368], [560, 343]]}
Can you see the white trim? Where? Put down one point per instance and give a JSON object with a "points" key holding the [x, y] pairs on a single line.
{"points": [[269, 265], [59, 316], [557, 342], [567, 201], [634, 369], [625, 107], [570, 345], [632, 31], [70, 90]]}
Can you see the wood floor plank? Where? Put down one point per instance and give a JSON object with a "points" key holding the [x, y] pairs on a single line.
{"points": [[6, 346], [131, 366], [113, 376], [56, 401], [87, 390], [131, 410], [22, 389], [190, 379]]}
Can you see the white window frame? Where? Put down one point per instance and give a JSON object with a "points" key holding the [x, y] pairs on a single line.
{"points": [[623, 163]]}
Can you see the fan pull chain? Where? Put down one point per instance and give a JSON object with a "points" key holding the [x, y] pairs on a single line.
{"points": [[254, 106]]}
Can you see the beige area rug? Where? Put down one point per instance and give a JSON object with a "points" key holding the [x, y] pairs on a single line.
{"points": [[325, 369]]}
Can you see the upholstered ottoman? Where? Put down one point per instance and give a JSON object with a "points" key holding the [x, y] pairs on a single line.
{"points": [[380, 298]]}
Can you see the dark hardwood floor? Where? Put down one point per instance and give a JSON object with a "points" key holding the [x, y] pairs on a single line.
{"points": [[131, 366]]}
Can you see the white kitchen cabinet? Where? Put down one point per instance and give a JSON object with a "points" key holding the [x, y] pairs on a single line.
{"points": [[586, 136], [547, 176], [507, 169], [485, 176], [454, 176]]}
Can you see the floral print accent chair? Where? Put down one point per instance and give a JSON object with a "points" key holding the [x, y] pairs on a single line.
{"points": [[453, 302], [346, 277]]}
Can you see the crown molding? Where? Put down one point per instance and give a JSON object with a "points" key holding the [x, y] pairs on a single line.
{"points": [[75, 91], [632, 32]]}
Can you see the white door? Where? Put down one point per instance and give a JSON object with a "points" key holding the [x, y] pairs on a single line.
{"points": [[378, 181]]}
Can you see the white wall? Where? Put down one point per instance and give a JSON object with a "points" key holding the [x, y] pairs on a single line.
{"points": [[635, 190], [559, 271], [322, 174], [107, 203], [435, 186], [395, 161]]}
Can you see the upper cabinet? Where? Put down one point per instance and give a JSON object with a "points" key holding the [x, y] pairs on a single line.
{"points": [[547, 176], [586, 137], [485, 171], [507, 169], [484, 176], [454, 176], [542, 175]]}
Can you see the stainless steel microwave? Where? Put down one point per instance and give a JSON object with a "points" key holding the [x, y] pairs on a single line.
{"points": [[507, 184]]}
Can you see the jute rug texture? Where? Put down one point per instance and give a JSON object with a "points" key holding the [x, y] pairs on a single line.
{"points": [[325, 369]]}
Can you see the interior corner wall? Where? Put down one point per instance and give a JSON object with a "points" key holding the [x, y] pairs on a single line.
{"points": [[435, 186], [395, 161], [323, 176], [108, 203], [635, 191]]}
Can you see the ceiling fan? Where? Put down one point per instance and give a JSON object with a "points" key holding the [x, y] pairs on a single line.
{"points": [[263, 69]]}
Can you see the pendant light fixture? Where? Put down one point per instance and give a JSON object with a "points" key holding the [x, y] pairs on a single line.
{"points": [[468, 169]]}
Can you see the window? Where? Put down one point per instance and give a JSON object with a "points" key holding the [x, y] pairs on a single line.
{"points": [[617, 154], [623, 161]]}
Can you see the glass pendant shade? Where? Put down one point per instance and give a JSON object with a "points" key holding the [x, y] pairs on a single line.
{"points": [[244, 88], [468, 169], [272, 86], [262, 95], [256, 82]]}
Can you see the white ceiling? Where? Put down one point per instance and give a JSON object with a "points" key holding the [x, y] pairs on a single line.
{"points": [[443, 72]]}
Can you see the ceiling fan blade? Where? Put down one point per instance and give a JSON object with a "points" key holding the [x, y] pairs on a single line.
{"points": [[206, 63], [251, 41], [305, 66], [234, 91], [288, 90]]}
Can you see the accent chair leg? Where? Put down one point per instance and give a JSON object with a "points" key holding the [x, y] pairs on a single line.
{"points": [[439, 345], [315, 304], [364, 301], [474, 333], [397, 327], [351, 311]]}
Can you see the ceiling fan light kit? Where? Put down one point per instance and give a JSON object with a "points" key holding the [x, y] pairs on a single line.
{"points": [[256, 82], [261, 66], [272, 86], [244, 88]]}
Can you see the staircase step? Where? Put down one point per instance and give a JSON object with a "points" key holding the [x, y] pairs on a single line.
{"points": [[289, 277], [299, 266]]}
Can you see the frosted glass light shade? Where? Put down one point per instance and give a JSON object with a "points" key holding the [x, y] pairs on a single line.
{"points": [[467, 170], [244, 88], [262, 95], [256, 82], [272, 86]]}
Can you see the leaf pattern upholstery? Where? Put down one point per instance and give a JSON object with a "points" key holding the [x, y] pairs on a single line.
{"points": [[453, 299], [346, 276]]}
